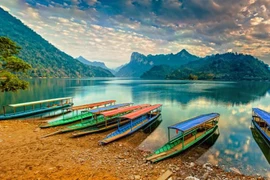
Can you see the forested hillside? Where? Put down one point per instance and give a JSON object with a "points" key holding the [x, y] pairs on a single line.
{"points": [[46, 59], [228, 66]]}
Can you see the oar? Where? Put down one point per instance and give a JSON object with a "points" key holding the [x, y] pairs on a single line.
{"points": [[51, 134]]}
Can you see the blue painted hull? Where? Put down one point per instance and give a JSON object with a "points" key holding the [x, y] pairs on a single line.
{"points": [[131, 126], [266, 137], [32, 112]]}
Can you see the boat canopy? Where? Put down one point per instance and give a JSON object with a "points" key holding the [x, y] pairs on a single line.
{"points": [[191, 123], [97, 110], [38, 102], [141, 112], [122, 110], [262, 114], [92, 105]]}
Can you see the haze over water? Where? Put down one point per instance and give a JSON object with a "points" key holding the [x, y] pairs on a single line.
{"points": [[235, 147]]}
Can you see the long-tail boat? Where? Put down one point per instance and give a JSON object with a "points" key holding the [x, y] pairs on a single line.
{"points": [[261, 120], [93, 119], [77, 116], [108, 120], [35, 107], [137, 120], [187, 133], [105, 118]]}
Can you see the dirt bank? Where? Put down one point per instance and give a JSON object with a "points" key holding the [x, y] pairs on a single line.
{"points": [[25, 155]]}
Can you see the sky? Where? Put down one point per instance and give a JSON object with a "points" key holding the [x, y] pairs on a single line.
{"points": [[110, 30]]}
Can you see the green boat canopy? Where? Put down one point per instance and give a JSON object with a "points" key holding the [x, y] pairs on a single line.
{"points": [[262, 114], [188, 124]]}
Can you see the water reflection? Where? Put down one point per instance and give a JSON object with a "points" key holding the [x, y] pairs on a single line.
{"points": [[181, 100], [265, 147]]}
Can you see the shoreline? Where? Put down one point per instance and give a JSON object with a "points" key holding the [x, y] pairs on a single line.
{"points": [[25, 155]]}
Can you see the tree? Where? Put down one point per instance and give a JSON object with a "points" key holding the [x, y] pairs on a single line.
{"points": [[12, 68]]}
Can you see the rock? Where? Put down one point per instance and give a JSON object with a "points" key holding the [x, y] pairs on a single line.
{"points": [[165, 175], [207, 165], [209, 169], [191, 178], [137, 177], [191, 164], [37, 129], [120, 157], [235, 170], [162, 170], [205, 176]]}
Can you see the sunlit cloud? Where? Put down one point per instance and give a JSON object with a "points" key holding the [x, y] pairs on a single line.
{"points": [[110, 31]]}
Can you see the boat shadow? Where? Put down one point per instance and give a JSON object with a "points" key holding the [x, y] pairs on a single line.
{"points": [[261, 142], [137, 138]]}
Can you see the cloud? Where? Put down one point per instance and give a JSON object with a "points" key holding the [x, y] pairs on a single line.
{"points": [[5, 8], [111, 30]]}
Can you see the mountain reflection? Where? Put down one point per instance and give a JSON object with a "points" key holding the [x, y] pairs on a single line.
{"points": [[184, 92]]}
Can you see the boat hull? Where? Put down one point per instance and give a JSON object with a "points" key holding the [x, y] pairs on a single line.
{"points": [[161, 155], [34, 112], [97, 129], [67, 120], [130, 130], [265, 136]]}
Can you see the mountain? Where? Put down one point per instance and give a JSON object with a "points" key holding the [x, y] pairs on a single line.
{"points": [[119, 67], [92, 63], [158, 72], [140, 63], [228, 66], [46, 59]]}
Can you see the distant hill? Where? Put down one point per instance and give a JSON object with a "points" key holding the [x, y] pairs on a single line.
{"points": [[228, 66], [119, 67], [140, 63], [46, 59], [158, 72]]}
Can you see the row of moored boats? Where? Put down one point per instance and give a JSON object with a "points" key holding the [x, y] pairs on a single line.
{"points": [[128, 118]]}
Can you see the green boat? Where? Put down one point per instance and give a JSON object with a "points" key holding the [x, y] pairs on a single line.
{"points": [[190, 132], [83, 115], [112, 123]]}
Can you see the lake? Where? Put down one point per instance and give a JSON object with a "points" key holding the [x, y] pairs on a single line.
{"points": [[236, 146]]}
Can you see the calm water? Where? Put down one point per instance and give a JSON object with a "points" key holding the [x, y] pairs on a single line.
{"points": [[235, 146]]}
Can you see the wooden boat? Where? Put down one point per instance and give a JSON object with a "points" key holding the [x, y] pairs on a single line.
{"points": [[260, 140], [94, 119], [190, 132], [261, 120], [29, 108], [137, 120], [108, 120], [77, 116], [105, 118]]}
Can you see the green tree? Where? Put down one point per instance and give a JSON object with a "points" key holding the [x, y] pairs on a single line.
{"points": [[12, 68], [193, 77]]}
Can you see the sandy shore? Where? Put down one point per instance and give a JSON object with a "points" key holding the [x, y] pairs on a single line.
{"points": [[25, 155]]}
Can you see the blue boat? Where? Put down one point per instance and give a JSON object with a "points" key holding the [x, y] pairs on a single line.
{"points": [[30, 108], [261, 120], [137, 120]]}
